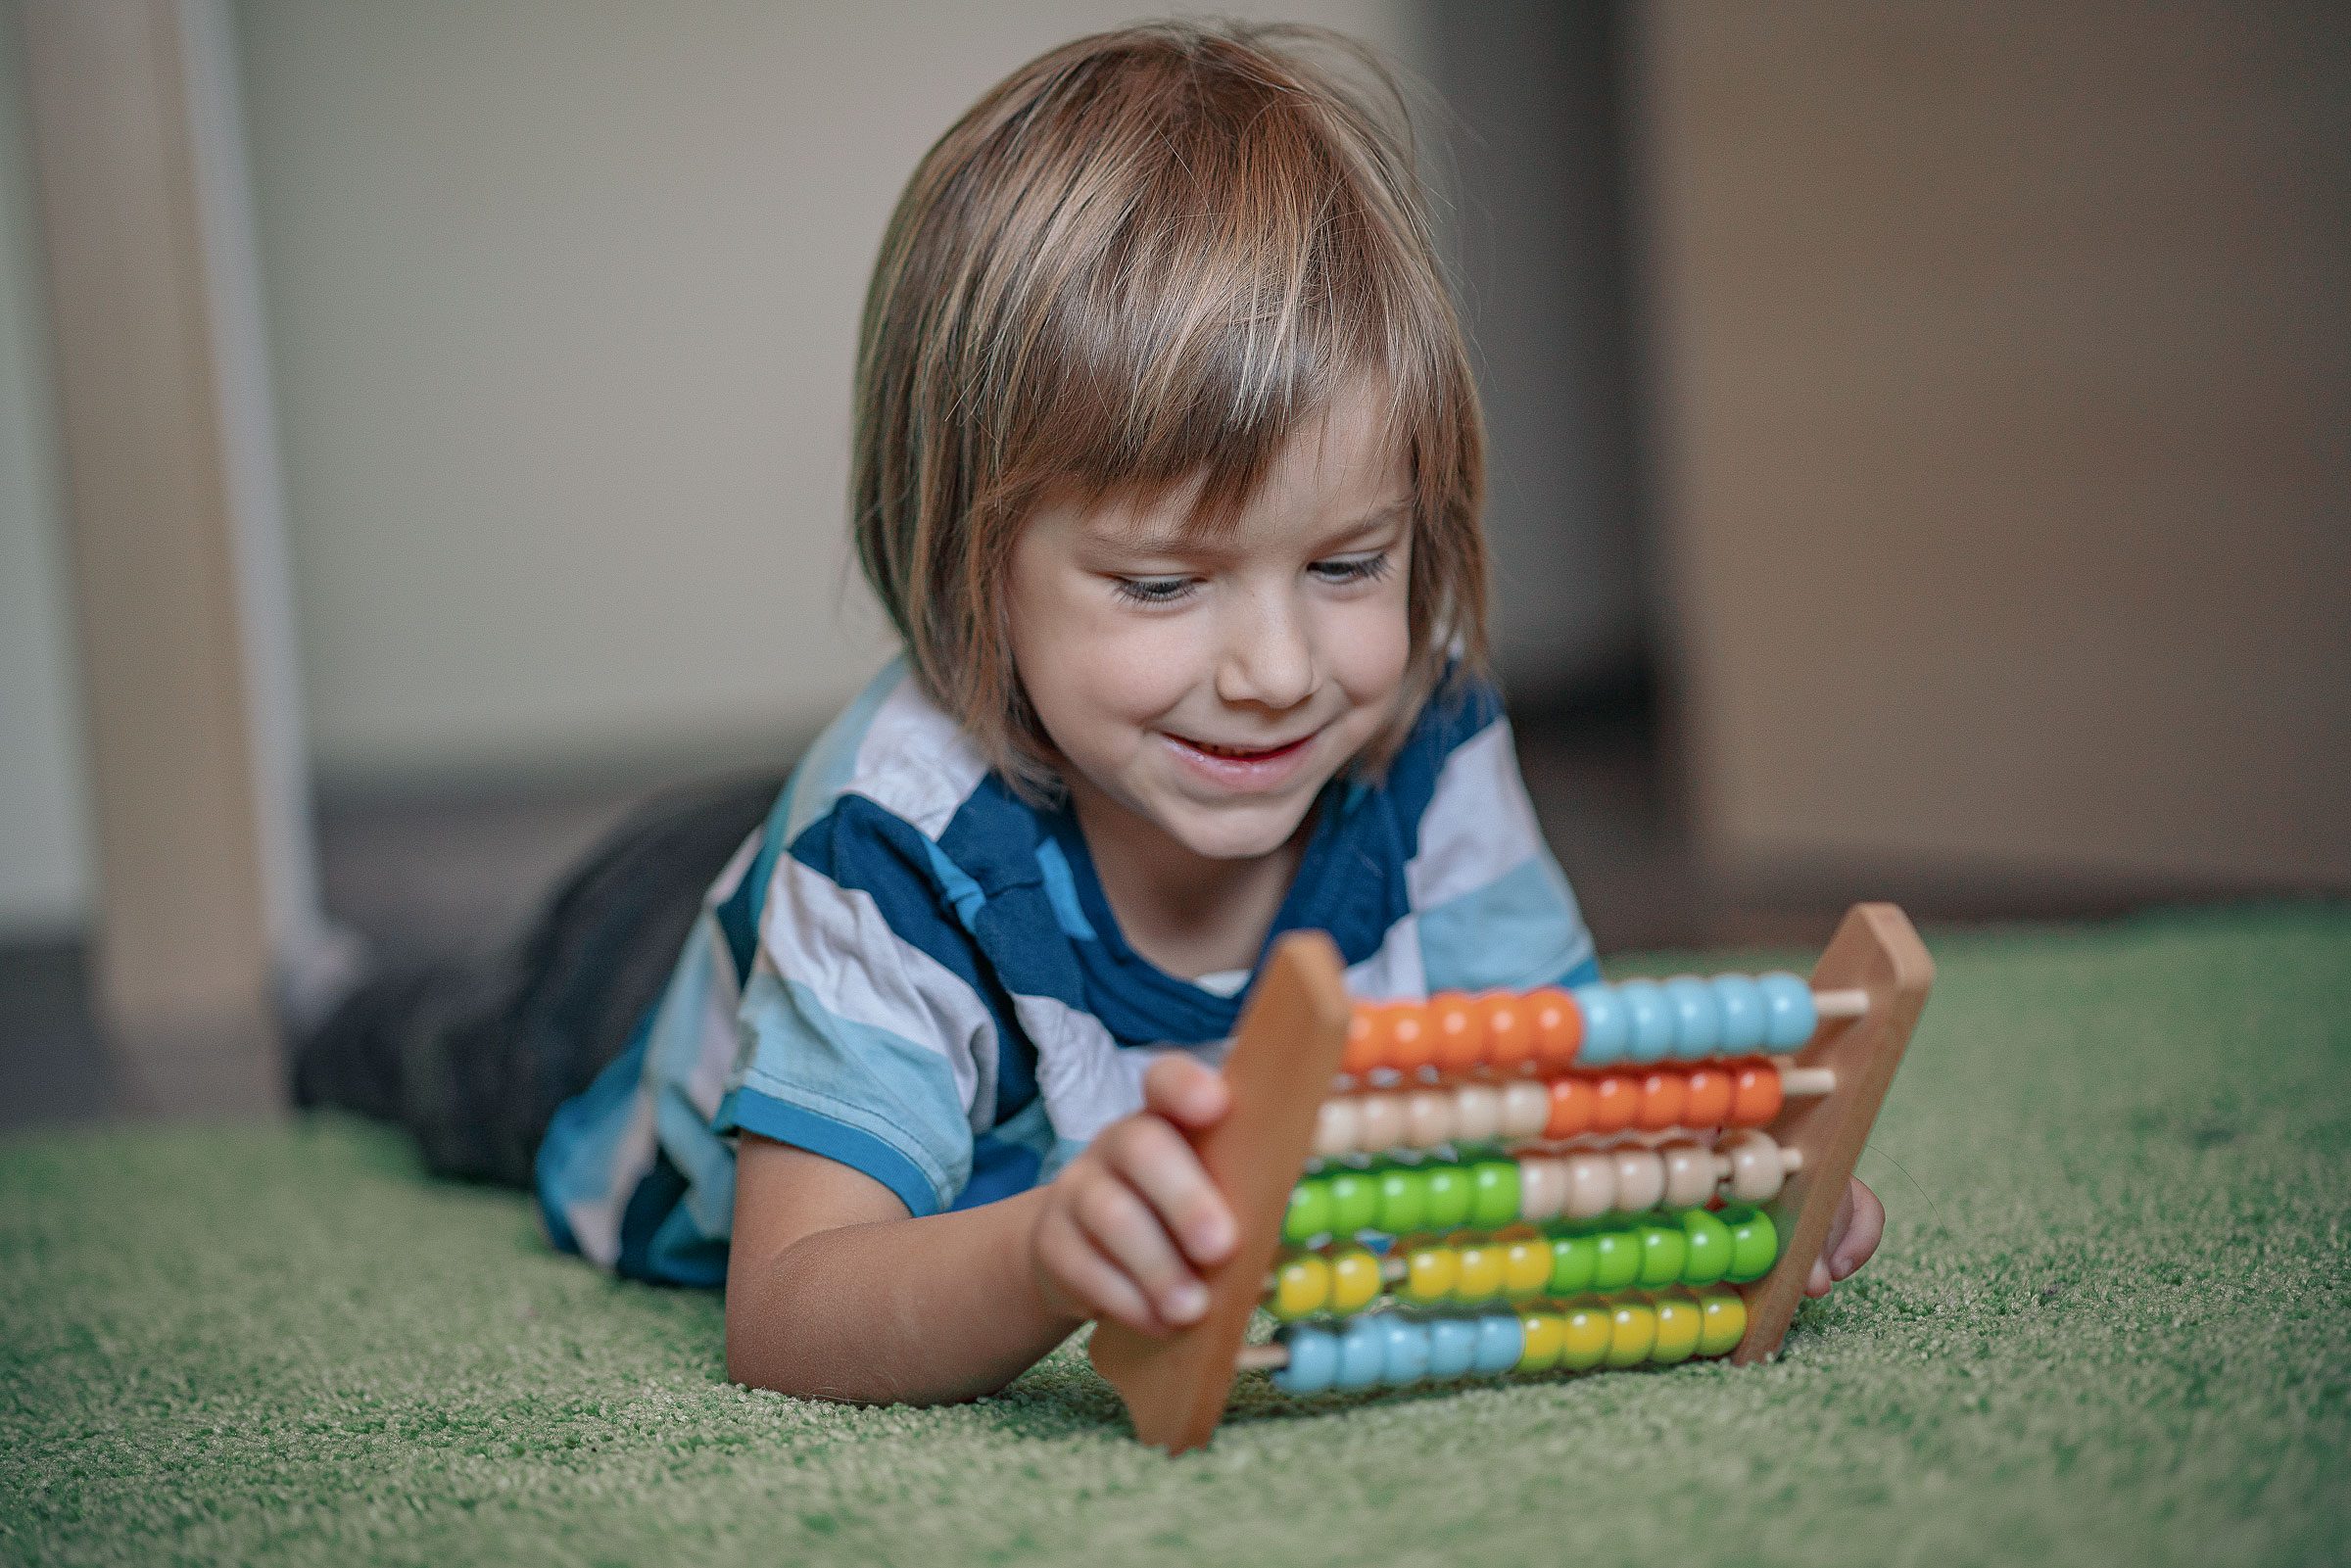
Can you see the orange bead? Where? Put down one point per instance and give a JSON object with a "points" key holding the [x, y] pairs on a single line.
{"points": [[1757, 1098], [1616, 1101], [1706, 1098], [1409, 1038], [1558, 1025], [1570, 1107], [1664, 1095], [1367, 1039], [1459, 1027], [1510, 1031]]}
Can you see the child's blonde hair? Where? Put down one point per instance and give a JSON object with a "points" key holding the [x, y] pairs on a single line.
{"points": [[1148, 256]]}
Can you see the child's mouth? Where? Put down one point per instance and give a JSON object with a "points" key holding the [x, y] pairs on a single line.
{"points": [[1250, 770], [1245, 753]]}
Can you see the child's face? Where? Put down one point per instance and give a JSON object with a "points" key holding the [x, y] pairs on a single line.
{"points": [[1201, 692]]}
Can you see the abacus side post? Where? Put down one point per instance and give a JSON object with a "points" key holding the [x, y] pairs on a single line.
{"points": [[1283, 1058], [1876, 950]]}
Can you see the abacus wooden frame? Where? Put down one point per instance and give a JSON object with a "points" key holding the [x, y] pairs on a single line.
{"points": [[1287, 1054]]}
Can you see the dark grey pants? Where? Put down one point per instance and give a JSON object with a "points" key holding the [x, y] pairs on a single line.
{"points": [[474, 1054]]}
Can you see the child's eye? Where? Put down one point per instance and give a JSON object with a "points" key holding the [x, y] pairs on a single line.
{"points": [[1153, 590], [1361, 569]]}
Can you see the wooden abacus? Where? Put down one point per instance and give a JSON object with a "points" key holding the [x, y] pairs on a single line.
{"points": [[1627, 1175]]}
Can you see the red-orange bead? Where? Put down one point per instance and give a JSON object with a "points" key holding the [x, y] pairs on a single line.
{"points": [[1558, 1025], [1664, 1095], [1616, 1101], [1367, 1039], [1458, 1025], [1409, 1038], [1706, 1094], [1757, 1097], [1510, 1031], [1570, 1107]]}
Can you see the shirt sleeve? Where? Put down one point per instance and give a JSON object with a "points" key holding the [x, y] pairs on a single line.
{"points": [[864, 1031], [1492, 907]]}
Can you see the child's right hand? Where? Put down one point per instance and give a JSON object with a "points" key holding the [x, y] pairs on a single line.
{"points": [[1127, 1222]]}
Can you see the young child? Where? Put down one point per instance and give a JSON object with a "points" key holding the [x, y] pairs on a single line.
{"points": [[1168, 470]]}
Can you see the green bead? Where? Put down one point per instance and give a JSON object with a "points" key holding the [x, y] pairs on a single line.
{"points": [[1448, 1197], [1404, 1201], [1573, 1257], [1309, 1213], [1617, 1257], [1494, 1193], [1353, 1202], [1705, 1247], [1661, 1253], [1754, 1243]]}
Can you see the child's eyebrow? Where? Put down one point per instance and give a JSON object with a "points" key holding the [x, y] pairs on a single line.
{"points": [[1195, 542]]}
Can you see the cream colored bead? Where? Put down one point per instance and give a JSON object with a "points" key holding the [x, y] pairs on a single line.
{"points": [[1428, 1118], [1335, 1129], [1379, 1122], [1756, 1167], [1477, 1113], [1591, 1186], [1541, 1188], [1639, 1179], [1689, 1175], [1525, 1108]]}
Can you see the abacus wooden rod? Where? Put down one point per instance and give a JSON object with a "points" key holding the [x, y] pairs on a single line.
{"points": [[1876, 951]]}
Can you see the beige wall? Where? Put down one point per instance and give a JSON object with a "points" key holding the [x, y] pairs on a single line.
{"points": [[2005, 352], [44, 851], [561, 301]]}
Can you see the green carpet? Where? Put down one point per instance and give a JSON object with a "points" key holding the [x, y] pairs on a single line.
{"points": [[2109, 1324]]}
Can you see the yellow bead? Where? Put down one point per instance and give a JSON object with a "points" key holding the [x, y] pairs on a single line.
{"points": [[1301, 1286], [1722, 1321], [1677, 1329], [1632, 1332], [1584, 1335], [1525, 1266], [1430, 1272], [1480, 1271], [1546, 1335], [1353, 1280]]}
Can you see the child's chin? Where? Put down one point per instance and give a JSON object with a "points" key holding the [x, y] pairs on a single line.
{"points": [[1237, 835]]}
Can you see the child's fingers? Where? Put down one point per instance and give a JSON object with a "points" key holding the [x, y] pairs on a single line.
{"points": [[1818, 1281], [1095, 1285], [1154, 1160], [1187, 1092], [1128, 1235], [1867, 1225]]}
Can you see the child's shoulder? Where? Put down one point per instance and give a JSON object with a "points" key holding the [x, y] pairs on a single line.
{"points": [[892, 748]]}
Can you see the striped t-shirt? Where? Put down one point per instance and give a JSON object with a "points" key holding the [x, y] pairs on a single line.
{"points": [[913, 971]]}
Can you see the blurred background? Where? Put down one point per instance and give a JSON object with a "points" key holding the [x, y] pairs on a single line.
{"points": [[1920, 463]]}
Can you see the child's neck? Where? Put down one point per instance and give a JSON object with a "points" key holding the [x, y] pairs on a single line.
{"points": [[1186, 913]]}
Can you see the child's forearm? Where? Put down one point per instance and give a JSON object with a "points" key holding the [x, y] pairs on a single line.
{"points": [[922, 1312]]}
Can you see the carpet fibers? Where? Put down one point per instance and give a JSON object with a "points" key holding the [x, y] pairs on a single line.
{"points": [[2109, 1324]]}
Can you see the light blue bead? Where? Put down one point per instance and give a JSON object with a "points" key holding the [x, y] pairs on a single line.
{"points": [[1313, 1359], [1452, 1347], [1605, 1026], [1788, 1015], [1741, 1001], [1649, 1023], [1404, 1358], [1362, 1351], [1697, 1018], [1501, 1341]]}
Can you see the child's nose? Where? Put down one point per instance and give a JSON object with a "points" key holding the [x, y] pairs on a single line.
{"points": [[1269, 657]]}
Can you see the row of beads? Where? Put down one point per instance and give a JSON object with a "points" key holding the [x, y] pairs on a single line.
{"points": [[1594, 1026], [1391, 1350], [1695, 1247], [1489, 1194], [1742, 1094]]}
